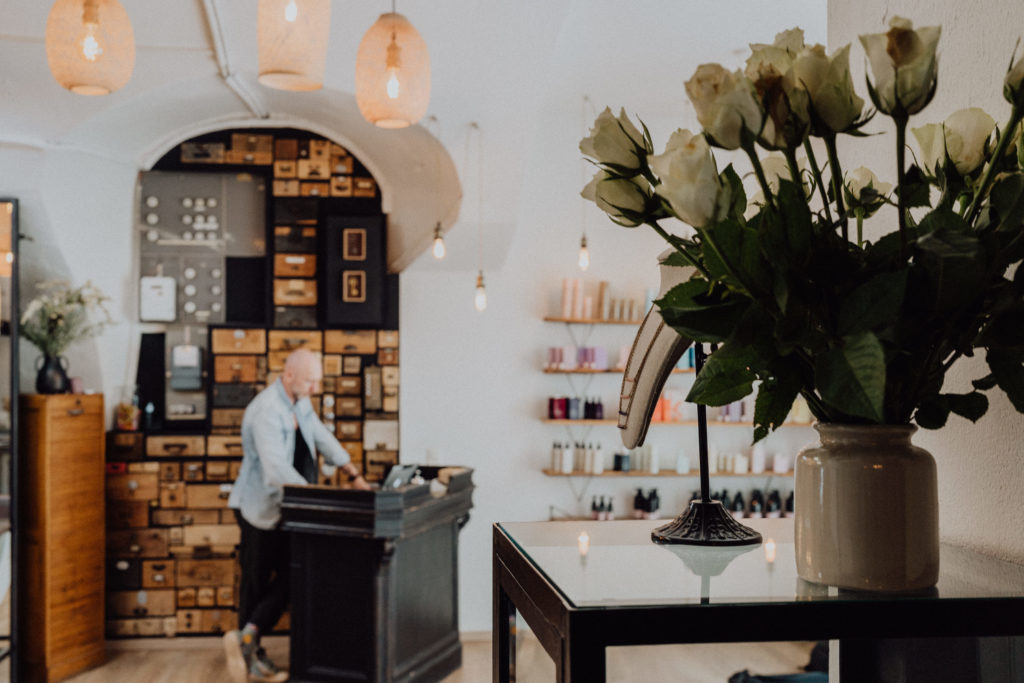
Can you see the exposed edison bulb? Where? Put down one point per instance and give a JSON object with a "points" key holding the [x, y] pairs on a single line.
{"points": [[480, 300], [584, 259], [9, 257], [439, 248], [392, 84], [291, 12], [89, 43], [393, 63], [769, 551]]}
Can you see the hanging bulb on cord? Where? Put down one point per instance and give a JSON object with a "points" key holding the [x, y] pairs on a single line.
{"points": [[480, 300], [393, 64], [439, 248], [584, 260], [90, 41], [291, 12]]}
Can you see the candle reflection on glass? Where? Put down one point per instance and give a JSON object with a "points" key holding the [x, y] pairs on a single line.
{"points": [[769, 551], [583, 541]]}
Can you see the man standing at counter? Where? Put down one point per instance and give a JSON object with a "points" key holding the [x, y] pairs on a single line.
{"points": [[280, 438]]}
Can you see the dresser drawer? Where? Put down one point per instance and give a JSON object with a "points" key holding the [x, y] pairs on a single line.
{"points": [[198, 573], [219, 470], [237, 369], [301, 317], [239, 340], [227, 417], [225, 596], [295, 238], [189, 621], [387, 339], [125, 445], [291, 292], [185, 517], [192, 470], [350, 341], [289, 340], [142, 603], [234, 395], [207, 495], [140, 543], [124, 574], [213, 534], [186, 597], [152, 626], [73, 416], [294, 265], [127, 514], [178, 445], [219, 620], [172, 494], [224, 446], [137, 487], [158, 573]]}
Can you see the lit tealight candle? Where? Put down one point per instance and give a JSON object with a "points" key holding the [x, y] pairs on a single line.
{"points": [[583, 541], [769, 551]]}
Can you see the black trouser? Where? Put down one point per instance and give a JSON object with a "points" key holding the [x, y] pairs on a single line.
{"points": [[264, 557]]}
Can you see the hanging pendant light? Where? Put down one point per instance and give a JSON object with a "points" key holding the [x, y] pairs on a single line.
{"points": [[439, 248], [480, 300], [90, 46], [392, 73], [293, 43], [584, 259]]}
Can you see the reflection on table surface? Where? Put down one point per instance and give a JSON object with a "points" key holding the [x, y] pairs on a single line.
{"points": [[608, 564]]}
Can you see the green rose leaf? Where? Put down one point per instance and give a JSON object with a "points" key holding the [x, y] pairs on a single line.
{"points": [[725, 377], [972, 405], [677, 259], [985, 383], [1005, 331], [933, 412], [1009, 373], [1007, 202], [775, 398], [873, 303], [695, 313], [949, 258], [852, 376], [916, 187]]}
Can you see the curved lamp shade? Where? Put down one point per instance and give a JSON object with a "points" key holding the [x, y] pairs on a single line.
{"points": [[293, 43], [90, 45], [392, 73]]}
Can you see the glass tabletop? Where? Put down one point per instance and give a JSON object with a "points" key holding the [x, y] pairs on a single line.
{"points": [[615, 564]]}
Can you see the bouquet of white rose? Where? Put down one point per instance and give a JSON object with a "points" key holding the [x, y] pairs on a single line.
{"points": [[864, 330], [59, 316]]}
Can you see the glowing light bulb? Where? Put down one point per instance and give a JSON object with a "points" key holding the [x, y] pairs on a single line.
{"points": [[9, 256], [439, 248], [392, 84], [769, 551], [291, 12], [584, 260], [393, 63], [480, 300], [583, 542], [89, 43]]}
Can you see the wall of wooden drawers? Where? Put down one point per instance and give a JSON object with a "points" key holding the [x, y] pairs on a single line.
{"points": [[61, 522], [172, 563]]}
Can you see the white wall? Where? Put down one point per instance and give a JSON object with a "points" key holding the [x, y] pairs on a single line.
{"points": [[980, 474]]}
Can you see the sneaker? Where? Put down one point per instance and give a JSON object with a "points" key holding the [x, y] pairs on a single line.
{"points": [[263, 669], [238, 655]]}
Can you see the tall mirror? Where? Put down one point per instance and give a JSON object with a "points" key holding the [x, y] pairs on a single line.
{"points": [[8, 419]]}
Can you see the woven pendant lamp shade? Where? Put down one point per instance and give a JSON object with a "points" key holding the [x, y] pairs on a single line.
{"points": [[392, 73], [90, 45], [293, 43]]}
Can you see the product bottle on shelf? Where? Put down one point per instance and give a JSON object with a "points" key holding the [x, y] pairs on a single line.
{"points": [[556, 457], [739, 507], [602, 510], [610, 514], [773, 507], [726, 501], [756, 504], [653, 504], [567, 460], [598, 460], [789, 506], [594, 513], [598, 409], [639, 504]]}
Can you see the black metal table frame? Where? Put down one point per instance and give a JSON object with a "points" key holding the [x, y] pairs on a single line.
{"points": [[576, 638]]}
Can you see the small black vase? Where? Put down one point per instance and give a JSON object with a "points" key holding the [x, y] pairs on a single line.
{"points": [[51, 378]]}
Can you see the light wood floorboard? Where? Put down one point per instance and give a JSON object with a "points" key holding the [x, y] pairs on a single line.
{"points": [[201, 660]]}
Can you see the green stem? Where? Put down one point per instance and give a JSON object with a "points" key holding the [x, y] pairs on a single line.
{"points": [[668, 238], [759, 172], [837, 181], [859, 212], [794, 168], [990, 172], [817, 178], [901, 210]]}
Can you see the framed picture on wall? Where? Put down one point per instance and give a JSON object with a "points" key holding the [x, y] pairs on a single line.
{"points": [[353, 286], [353, 242]]}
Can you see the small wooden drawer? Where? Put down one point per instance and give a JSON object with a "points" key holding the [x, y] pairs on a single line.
{"points": [[234, 467], [349, 430], [234, 395], [348, 406], [389, 376], [286, 149], [387, 357], [206, 596], [290, 292], [354, 450], [378, 463], [349, 385], [175, 536], [218, 470], [294, 238], [226, 596], [292, 317], [143, 467], [294, 265], [177, 446], [235, 369], [332, 364], [387, 339], [185, 517], [238, 340], [341, 186], [319, 150], [135, 628], [341, 164], [124, 445], [327, 385], [351, 365], [217, 572], [201, 496], [172, 494], [212, 534], [187, 597], [130, 486], [390, 401], [289, 340], [142, 603], [137, 543], [251, 143], [202, 152], [218, 620], [192, 470], [224, 445], [364, 187], [314, 169], [124, 574], [285, 169], [170, 471], [227, 417], [227, 516], [127, 514], [350, 341], [190, 621], [285, 187], [276, 359], [314, 189], [158, 573]]}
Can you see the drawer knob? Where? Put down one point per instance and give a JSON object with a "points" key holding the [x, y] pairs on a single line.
{"points": [[134, 548], [75, 412], [132, 485], [158, 578]]}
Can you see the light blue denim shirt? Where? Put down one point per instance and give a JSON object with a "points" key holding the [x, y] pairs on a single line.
{"points": [[268, 450]]}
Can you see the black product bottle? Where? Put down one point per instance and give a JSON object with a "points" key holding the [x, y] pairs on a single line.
{"points": [[756, 504], [598, 409], [789, 505], [738, 506], [773, 508], [653, 504], [593, 508], [639, 504], [726, 501], [611, 510]]}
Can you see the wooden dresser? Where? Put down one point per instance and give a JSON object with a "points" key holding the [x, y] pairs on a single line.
{"points": [[61, 494]]}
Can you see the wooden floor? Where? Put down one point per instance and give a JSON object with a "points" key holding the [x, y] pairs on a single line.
{"points": [[201, 660]]}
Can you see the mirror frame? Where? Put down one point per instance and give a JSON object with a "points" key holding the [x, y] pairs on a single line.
{"points": [[12, 637]]}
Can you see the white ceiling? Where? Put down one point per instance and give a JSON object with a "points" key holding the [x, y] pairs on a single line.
{"points": [[510, 65]]}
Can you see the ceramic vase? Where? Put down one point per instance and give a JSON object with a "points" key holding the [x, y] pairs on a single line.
{"points": [[51, 377], [866, 510]]}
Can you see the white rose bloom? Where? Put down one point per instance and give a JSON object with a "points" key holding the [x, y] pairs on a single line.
{"points": [[904, 65], [689, 177], [963, 136], [829, 86], [623, 199], [931, 144], [775, 167], [1013, 84], [860, 178], [724, 103], [615, 141]]}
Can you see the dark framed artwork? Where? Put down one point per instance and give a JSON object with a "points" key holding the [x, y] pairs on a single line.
{"points": [[353, 241], [353, 286]]}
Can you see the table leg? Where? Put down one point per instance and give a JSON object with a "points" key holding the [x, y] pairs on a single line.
{"points": [[583, 663], [503, 645]]}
